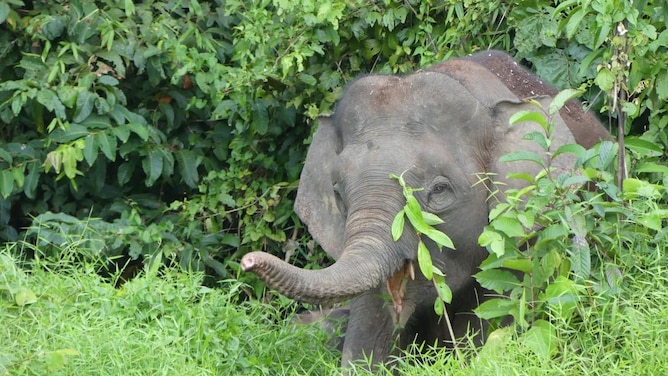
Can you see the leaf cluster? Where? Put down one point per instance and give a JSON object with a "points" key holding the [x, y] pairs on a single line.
{"points": [[562, 243], [423, 223]]}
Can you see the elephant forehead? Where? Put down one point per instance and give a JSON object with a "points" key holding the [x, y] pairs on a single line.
{"points": [[423, 98], [421, 155], [379, 154]]}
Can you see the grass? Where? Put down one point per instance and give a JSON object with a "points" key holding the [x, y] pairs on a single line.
{"points": [[61, 321], [71, 322]]}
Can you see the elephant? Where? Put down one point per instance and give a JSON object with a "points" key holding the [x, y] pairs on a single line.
{"points": [[441, 127]]}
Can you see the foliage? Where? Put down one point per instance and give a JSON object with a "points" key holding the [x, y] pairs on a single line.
{"points": [[60, 320], [557, 248], [422, 223], [180, 126], [618, 47], [175, 130]]}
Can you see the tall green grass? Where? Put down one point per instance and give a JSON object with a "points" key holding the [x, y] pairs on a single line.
{"points": [[58, 320]]}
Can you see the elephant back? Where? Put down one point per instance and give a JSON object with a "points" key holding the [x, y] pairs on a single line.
{"points": [[584, 125]]}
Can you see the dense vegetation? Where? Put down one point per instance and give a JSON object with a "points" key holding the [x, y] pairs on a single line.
{"points": [[174, 131]]}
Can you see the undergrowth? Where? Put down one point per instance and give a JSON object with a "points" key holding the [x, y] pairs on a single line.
{"points": [[66, 321], [69, 321]]}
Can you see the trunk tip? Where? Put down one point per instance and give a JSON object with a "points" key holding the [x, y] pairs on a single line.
{"points": [[250, 261]]}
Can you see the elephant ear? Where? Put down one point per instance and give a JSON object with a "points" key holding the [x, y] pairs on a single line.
{"points": [[510, 138], [316, 201]]}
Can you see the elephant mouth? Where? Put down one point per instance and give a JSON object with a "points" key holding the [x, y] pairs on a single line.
{"points": [[396, 286]]}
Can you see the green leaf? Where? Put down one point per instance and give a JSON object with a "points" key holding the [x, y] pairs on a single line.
{"points": [[6, 183], [541, 339], [260, 120], [24, 297], [548, 265], [497, 341], [662, 81], [642, 147], [522, 265], [424, 260], [605, 79], [188, 163], [5, 156], [431, 219], [580, 258], [307, 79], [18, 173], [414, 214], [139, 129], [561, 98], [85, 105], [439, 307], [443, 290], [31, 180], [91, 149], [562, 295], [107, 143], [574, 20], [71, 133], [4, 12], [527, 219], [498, 210], [523, 155], [539, 138], [152, 166], [509, 226], [497, 307], [529, 116], [651, 167], [49, 99], [634, 188], [122, 132], [493, 241], [398, 225], [573, 149], [71, 155], [651, 220], [497, 280], [607, 151], [125, 172], [441, 239], [55, 360], [68, 96]]}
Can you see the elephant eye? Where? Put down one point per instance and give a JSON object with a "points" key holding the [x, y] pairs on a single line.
{"points": [[440, 187], [339, 200], [441, 195]]}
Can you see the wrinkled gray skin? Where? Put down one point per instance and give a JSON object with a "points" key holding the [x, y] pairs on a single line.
{"points": [[443, 126]]}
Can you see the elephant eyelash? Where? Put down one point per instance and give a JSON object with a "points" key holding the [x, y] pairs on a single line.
{"points": [[440, 188]]}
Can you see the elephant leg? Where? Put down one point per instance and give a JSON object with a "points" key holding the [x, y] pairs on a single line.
{"points": [[332, 321], [336, 325], [370, 333], [464, 322]]}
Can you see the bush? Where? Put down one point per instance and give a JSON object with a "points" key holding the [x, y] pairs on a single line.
{"points": [[178, 128]]}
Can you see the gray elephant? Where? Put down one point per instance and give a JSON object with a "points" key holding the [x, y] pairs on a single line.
{"points": [[443, 126]]}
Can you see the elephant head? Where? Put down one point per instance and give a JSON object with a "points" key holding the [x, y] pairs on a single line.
{"points": [[442, 127]]}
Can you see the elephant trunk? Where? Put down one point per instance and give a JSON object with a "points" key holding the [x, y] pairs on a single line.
{"points": [[351, 275], [369, 258]]}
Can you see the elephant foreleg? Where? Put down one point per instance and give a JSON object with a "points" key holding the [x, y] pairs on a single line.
{"points": [[371, 331]]}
